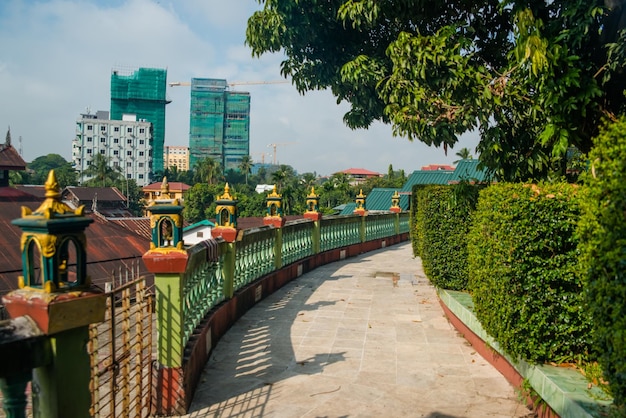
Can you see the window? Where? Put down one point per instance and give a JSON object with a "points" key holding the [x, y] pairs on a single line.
{"points": [[88, 139], [141, 142], [129, 141], [129, 153], [102, 139], [116, 164], [129, 130], [116, 129], [103, 128], [142, 130], [90, 127], [129, 176], [102, 151], [116, 152], [140, 165], [141, 176], [141, 153], [88, 151], [116, 140], [129, 164]]}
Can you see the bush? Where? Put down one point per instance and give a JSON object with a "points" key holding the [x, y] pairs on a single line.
{"points": [[442, 222], [602, 231], [523, 275]]}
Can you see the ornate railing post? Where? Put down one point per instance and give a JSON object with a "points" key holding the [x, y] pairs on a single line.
{"points": [[167, 260], [59, 298], [312, 212], [226, 228], [275, 218], [395, 208], [360, 210]]}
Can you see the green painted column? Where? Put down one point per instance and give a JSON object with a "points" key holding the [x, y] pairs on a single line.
{"points": [[61, 389], [278, 249], [169, 304], [362, 228], [316, 238], [228, 268], [396, 223]]}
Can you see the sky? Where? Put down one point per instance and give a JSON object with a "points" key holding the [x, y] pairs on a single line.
{"points": [[56, 60]]}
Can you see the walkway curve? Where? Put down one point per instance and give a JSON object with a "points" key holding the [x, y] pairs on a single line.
{"points": [[363, 337]]}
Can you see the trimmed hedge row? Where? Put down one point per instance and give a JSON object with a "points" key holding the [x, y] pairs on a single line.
{"points": [[442, 216], [603, 253], [523, 274]]}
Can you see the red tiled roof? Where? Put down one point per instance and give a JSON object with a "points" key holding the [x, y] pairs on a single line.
{"points": [[434, 167], [360, 172], [175, 186], [10, 159]]}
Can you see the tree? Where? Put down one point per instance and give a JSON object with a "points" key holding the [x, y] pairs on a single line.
{"points": [[531, 78], [41, 166], [101, 173], [463, 154], [207, 171], [245, 165]]}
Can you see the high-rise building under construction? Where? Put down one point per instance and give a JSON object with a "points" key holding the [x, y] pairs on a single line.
{"points": [[219, 123], [142, 92]]}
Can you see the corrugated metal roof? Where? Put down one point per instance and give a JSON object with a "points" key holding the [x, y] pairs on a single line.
{"points": [[175, 186], [10, 159], [467, 170], [109, 246], [380, 199], [87, 194], [426, 177], [360, 172], [348, 209]]}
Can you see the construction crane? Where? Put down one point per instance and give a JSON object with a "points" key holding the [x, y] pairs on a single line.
{"points": [[262, 154], [234, 83], [276, 145]]}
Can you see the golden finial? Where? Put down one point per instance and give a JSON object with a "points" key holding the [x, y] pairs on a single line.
{"points": [[274, 193], [165, 188], [226, 195], [52, 205]]}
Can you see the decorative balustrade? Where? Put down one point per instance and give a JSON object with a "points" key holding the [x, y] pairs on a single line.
{"points": [[202, 284], [297, 241], [254, 256], [379, 226], [403, 221], [340, 231]]}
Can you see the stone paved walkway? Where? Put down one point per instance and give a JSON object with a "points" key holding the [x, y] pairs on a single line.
{"points": [[364, 337]]}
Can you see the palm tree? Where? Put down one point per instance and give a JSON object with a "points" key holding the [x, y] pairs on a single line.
{"points": [[206, 170], [463, 154], [245, 165], [100, 171]]}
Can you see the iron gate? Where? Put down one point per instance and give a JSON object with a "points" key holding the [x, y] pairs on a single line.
{"points": [[120, 349]]}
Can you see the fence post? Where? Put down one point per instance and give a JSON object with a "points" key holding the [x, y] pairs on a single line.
{"points": [[229, 249], [312, 213]]}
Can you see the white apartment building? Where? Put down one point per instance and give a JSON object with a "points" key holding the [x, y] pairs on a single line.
{"points": [[126, 143], [176, 156]]}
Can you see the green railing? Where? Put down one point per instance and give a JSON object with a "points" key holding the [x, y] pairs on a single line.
{"points": [[255, 256], [202, 286], [340, 231], [297, 241], [403, 221], [380, 225]]}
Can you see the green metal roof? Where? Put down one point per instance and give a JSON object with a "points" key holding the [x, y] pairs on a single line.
{"points": [[467, 170], [426, 177], [380, 199], [348, 209]]}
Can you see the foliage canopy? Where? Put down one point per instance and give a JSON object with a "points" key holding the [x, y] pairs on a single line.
{"points": [[532, 77]]}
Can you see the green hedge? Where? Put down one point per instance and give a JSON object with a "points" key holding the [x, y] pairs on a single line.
{"points": [[603, 252], [523, 271], [413, 220], [442, 222]]}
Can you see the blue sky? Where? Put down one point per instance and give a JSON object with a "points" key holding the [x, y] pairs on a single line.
{"points": [[57, 57]]}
